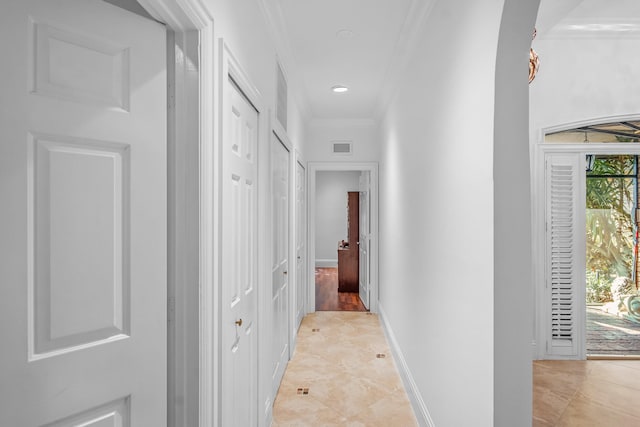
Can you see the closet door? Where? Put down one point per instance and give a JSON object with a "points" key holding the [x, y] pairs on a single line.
{"points": [[83, 244], [565, 255]]}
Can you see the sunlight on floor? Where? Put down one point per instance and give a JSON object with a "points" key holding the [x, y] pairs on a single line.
{"points": [[618, 328], [586, 393]]}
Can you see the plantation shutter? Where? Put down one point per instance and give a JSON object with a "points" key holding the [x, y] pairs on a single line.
{"points": [[565, 240]]}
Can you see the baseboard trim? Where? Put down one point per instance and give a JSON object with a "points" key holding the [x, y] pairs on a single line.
{"points": [[415, 398], [326, 263]]}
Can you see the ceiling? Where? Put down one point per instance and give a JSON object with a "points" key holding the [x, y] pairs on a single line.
{"points": [[589, 19], [316, 52], [351, 43]]}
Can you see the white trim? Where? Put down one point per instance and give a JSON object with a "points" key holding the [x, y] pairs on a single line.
{"points": [[300, 286], [586, 122], [209, 399], [182, 16], [415, 397], [280, 132], [313, 168], [183, 230], [326, 263], [179, 15]]}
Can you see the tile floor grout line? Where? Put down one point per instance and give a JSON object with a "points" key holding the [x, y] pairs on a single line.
{"points": [[331, 324]]}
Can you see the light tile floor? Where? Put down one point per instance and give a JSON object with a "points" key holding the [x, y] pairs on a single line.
{"points": [[336, 359], [592, 393]]}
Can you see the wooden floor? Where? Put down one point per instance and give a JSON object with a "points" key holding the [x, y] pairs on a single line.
{"points": [[595, 393], [327, 296]]}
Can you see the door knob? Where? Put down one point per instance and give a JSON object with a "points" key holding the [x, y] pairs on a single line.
{"points": [[239, 322]]}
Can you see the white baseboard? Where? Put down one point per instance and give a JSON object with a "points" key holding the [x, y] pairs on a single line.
{"points": [[326, 263], [419, 408]]}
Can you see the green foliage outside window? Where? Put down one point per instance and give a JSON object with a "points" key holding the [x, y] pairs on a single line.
{"points": [[609, 224]]}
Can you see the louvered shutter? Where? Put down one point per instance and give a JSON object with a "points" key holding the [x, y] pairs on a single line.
{"points": [[565, 240]]}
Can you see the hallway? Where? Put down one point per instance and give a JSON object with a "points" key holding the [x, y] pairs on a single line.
{"points": [[144, 244], [342, 373]]}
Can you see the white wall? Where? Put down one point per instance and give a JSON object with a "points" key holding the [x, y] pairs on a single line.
{"points": [[584, 79], [513, 299], [444, 256], [363, 134], [331, 213]]}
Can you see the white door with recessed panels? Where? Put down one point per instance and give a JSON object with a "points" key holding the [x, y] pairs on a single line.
{"points": [[83, 208], [280, 259], [239, 256]]}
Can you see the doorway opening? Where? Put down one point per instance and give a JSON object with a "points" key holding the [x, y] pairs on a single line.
{"points": [[343, 237], [600, 310], [340, 216], [613, 329]]}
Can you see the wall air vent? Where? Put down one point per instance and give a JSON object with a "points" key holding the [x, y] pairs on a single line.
{"points": [[281, 98], [342, 148]]}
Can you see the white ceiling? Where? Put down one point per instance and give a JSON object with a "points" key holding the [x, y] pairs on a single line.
{"points": [[320, 56], [316, 58]]}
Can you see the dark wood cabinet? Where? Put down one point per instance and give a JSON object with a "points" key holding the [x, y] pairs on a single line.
{"points": [[348, 253]]}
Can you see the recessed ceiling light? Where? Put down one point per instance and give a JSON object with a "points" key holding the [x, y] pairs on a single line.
{"points": [[344, 34], [339, 89]]}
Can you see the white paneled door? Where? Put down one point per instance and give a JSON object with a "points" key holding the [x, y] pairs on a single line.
{"points": [[239, 252], [301, 246], [280, 258], [83, 202]]}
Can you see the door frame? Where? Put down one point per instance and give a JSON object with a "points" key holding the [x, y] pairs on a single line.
{"points": [[300, 282], [540, 151], [182, 18], [312, 169]]}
